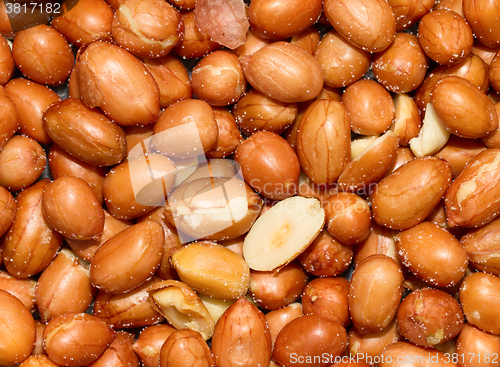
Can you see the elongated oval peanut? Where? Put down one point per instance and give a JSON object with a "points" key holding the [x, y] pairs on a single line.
{"points": [[85, 133], [463, 109], [30, 244], [244, 328], [115, 81], [375, 293], [448, 262], [284, 72], [323, 141], [368, 24], [129, 258], [59, 199], [408, 195]]}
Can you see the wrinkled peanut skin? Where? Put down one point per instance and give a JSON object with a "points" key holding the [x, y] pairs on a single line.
{"points": [[118, 83], [244, 328], [30, 244], [185, 348], [128, 259], [368, 24], [284, 72], [323, 141], [408, 195]]}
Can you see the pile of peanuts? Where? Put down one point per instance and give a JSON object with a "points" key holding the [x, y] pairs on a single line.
{"points": [[263, 184]]}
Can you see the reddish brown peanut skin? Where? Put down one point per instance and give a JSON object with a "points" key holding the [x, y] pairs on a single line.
{"points": [[341, 61], [9, 121], [85, 133], [479, 295], [456, 99], [229, 136], [87, 249], [265, 23], [375, 293], [148, 344], [473, 199], [404, 354], [445, 36], [89, 21], [448, 262], [8, 210], [128, 258], [368, 24], [269, 165], [277, 288], [118, 191], [218, 79], [323, 141], [409, 194], [22, 289], [61, 197], [38, 361], [195, 44], [471, 68], [189, 111], [62, 164], [308, 336], [369, 345], [482, 247], [31, 100], [30, 244], [326, 256], [17, 330], [328, 297], [408, 12], [64, 287], [402, 66], [308, 39], [115, 81], [6, 61], [76, 339], [172, 78], [43, 55], [127, 310], [473, 342], [459, 151], [482, 16], [244, 328], [369, 167], [186, 348], [39, 328], [118, 353], [277, 319], [348, 217], [256, 112], [379, 241], [370, 107], [429, 317], [284, 72], [22, 161]]}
